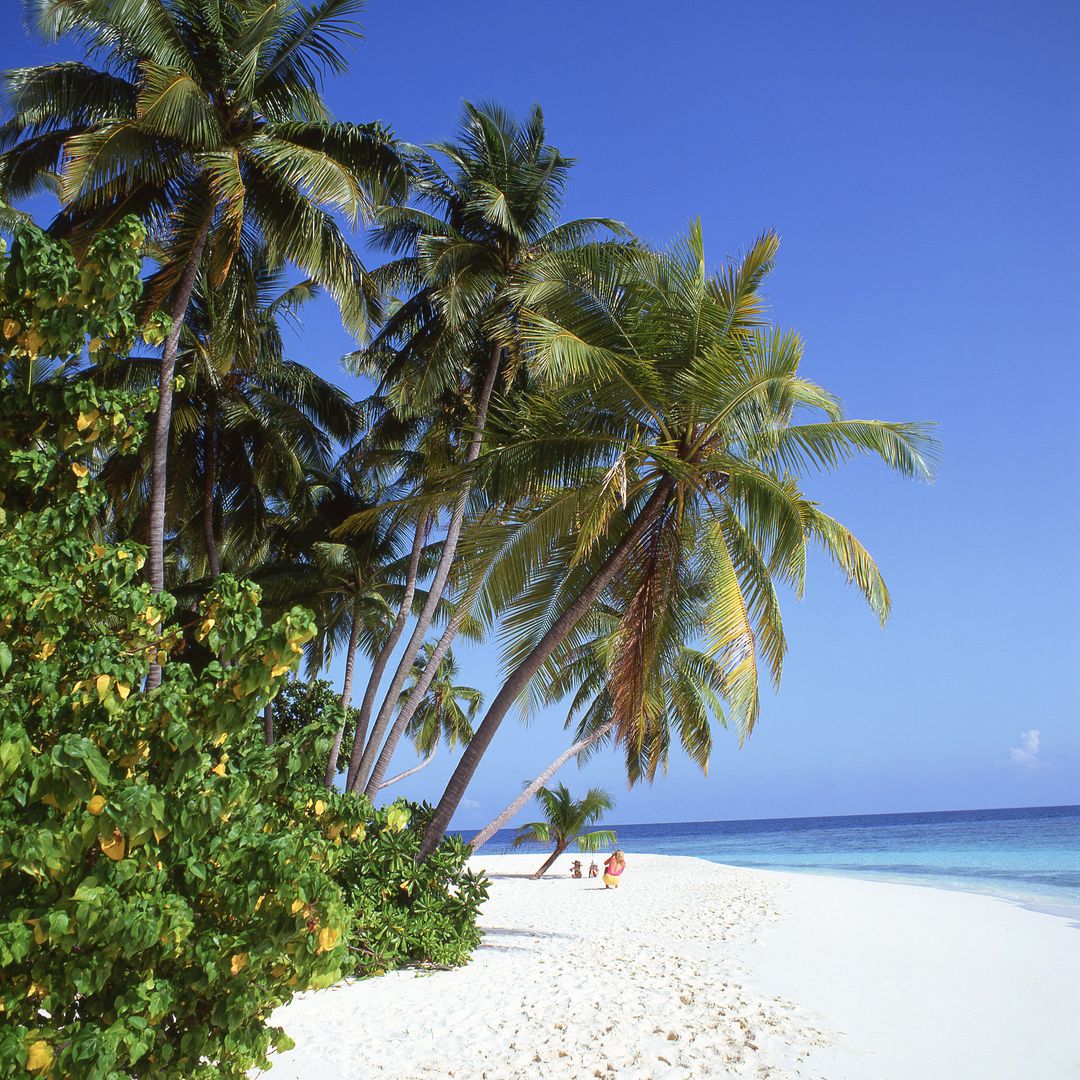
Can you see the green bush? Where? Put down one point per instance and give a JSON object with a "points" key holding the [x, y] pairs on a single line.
{"points": [[402, 912], [164, 877], [300, 704]]}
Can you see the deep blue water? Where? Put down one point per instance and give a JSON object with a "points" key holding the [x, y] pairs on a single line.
{"points": [[1030, 855]]}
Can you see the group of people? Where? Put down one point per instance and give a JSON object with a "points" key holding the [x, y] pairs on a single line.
{"points": [[614, 865]]}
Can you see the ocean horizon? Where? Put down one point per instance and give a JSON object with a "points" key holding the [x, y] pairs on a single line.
{"points": [[1028, 855]]}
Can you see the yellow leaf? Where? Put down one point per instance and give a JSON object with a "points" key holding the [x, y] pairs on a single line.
{"points": [[160, 834], [47, 649], [99, 551], [220, 740], [237, 963], [39, 1056], [334, 831], [123, 690], [50, 800], [79, 469], [40, 937], [152, 616], [219, 769], [327, 939], [279, 669], [207, 626], [86, 419], [114, 846], [320, 807], [102, 684], [37, 990], [93, 345], [358, 832], [96, 805], [296, 906], [122, 554], [11, 327], [259, 902]]}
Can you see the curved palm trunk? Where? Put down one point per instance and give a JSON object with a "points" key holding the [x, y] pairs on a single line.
{"points": [[155, 555], [549, 862], [209, 484], [412, 703], [379, 667], [361, 765], [346, 696], [413, 771], [489, 830], [519, 678]]}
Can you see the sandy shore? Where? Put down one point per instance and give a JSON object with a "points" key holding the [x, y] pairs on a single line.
{"points": [[692, 969]]}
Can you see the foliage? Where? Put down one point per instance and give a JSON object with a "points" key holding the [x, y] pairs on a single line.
{"points": [[202, 114], [299, 705], [158, 896], [405, 912]]}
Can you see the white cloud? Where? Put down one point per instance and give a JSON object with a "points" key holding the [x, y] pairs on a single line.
{"points": [[1026, 754], [472, 804]]}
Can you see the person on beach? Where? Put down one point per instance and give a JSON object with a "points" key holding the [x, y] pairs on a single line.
{"points": [[613, 869], [575, 869], [594, 870]]}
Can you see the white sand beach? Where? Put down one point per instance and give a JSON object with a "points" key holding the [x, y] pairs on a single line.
{"points": [[692, 969]]}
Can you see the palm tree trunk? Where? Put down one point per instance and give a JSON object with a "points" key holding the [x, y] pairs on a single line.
{"points": [[372, 688], [412, 703], [489, 830], [519, 678], [346, 697], [548, 863], [361, 765], [415, 769], [155, 555], [209, 484], [268, 723]]}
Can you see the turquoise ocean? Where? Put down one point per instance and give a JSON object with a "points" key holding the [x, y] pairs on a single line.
{"points": [[1029, 855]]}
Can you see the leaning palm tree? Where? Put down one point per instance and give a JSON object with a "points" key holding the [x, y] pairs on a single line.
{"points": [[685, 695], [205, 119], [446, 712], [676, 424], [486, 212], [565, 819]]}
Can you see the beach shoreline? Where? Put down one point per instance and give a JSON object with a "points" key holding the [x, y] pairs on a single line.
{"points": [[694, 968]]}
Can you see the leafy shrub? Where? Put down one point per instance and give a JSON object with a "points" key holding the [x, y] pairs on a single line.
{"points": [[165, 880], [300, 704], [403, 912]]}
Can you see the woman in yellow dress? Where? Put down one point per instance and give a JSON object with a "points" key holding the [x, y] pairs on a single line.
{"points": [[613, 869]]}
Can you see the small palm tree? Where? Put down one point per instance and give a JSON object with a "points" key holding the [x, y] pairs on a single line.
{"points": [[446, 711], [567, 817]]}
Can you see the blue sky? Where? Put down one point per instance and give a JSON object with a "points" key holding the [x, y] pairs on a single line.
{"points": [[921, 164]]}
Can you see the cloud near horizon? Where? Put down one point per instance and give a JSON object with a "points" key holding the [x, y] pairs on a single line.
{"points": [[1026, 754]]}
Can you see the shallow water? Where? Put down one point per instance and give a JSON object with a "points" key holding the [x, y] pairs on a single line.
{"points": [[1030, 855]]}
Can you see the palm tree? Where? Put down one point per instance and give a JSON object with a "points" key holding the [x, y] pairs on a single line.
{"points": [[462, 255], [251, 428], [685, 695], [205, 119], [672, 418], [565, 819], [446, 711]]}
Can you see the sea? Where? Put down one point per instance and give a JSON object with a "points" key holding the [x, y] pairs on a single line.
{"points": [[1029, 855]]}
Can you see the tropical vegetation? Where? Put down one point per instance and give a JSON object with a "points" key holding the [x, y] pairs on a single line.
{"points": [[590, 455]]}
